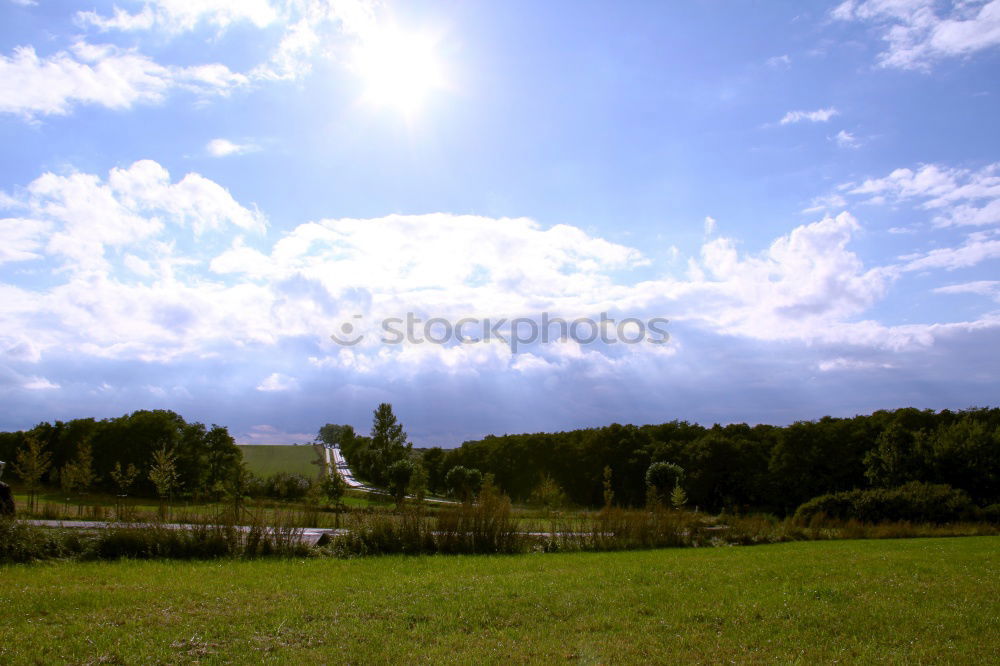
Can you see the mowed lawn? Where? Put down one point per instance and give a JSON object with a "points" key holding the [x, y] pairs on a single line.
{"points": [[855, 601], [265, 460]]}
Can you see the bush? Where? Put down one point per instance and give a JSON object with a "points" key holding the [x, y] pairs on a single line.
{"points": [[22, 542], [283, 485], [915, 501]]}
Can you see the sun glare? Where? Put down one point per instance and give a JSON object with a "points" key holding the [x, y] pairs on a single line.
{"points": [[399, 70]]}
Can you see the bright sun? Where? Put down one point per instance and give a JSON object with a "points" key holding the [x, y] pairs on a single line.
{"points": [[399, 69]]}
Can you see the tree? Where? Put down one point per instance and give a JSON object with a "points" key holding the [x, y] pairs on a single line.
{"points": [[433, 462], [332, 435], [78, 474], [463, 482], [678, 497], [547, 494], [418, 483], [163, 474], [398, 476], [124, 478], [334, 487], [661, 478], [31, 464], [388, 442], [609, 492]]}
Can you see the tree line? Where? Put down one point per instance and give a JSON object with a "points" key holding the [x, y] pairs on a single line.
{"points": [[146, 453], [741, 467]]}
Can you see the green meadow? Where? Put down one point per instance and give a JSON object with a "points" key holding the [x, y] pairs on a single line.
{"points": [[907, 600], [265, 460]]}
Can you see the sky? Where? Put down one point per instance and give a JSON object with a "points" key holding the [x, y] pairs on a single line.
{"points": [[199, 198]]}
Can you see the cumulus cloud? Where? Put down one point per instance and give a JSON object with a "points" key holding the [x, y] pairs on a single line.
{"points": [[804, 286], [225, 148], [100, 75], [183, 15], [958, 197], [845, 139], [76, 216], [150, 267], [817, 116], [308, 28], [32, 85], [920, 32], [278, 382]]}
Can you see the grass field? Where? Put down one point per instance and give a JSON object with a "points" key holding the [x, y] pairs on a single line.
{"points": [[888, 600], [265, 460]]}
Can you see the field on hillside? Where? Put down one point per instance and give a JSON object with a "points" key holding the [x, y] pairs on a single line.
{"points": [[888, 600], [265, 460]]}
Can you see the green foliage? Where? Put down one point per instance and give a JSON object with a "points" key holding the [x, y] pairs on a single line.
{"points": [[371, 457], [205, 456], [742, 468], [678, 498], [398, 476], [334, 487], [163, 472], [548, 494], [463, 482], [31, 464], [432, 460], [914, 501], [418, 483], [78, 474], [661, 479], [609, 490], [124, 478]]}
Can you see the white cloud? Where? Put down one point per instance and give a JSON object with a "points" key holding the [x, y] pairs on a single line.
{"points": [[75, 216], [278, 382], [845, 139], [817, 116], [960, 197], [851, 364], [291, 59], [225, 147], [21, 239], [781, 61], [990, 288], [825, 203], [184, 15], [309, 28], [920, 32], [98, 74], [39, 384], [147, 268], [709, 225], [803, 286], [970, 253]]}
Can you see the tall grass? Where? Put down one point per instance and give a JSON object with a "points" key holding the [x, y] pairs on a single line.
{"points": [[487, 525], [215, 535]]}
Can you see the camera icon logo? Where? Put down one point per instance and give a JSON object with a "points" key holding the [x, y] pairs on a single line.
{"points": [[347, 330]]}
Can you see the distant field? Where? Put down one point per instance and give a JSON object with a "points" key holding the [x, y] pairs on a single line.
{"points": [[895, 601], [267, 460]]}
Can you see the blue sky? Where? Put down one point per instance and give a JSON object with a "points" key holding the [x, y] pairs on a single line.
{"points": [[195, 195]]}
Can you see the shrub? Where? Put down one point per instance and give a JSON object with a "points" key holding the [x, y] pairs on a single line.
{"points": [[914, 501], [23, 542]]}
